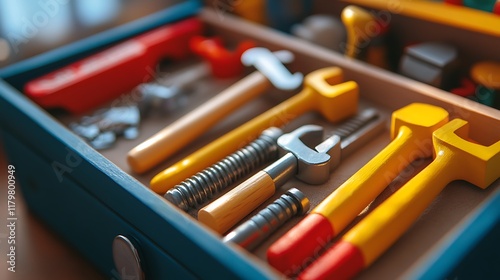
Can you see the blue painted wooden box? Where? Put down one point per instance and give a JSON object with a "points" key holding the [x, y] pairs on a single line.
{"points": [[88, 200]]}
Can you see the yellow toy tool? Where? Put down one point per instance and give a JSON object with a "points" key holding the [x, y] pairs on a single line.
{"points": [[411, 130], [356, 21], [323, 91], [455, 158]]}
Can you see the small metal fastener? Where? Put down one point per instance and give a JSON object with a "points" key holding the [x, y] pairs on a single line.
{"points": [[126, 259], [101, 129], [200, 187], [251, 233], [161, 98]]}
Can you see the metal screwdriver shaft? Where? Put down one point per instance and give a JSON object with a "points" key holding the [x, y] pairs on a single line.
{"points": [[205, 184], [251, 233]]}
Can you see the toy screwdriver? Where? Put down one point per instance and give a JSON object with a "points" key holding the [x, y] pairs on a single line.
{"points": [[103, 76]]}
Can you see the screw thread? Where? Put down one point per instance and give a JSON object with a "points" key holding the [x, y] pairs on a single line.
{"points": [[352, 125], [205, 184], [269, 219]]}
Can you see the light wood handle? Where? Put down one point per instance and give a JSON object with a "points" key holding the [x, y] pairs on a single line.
{"points": [[229, 209], [181, 132]]}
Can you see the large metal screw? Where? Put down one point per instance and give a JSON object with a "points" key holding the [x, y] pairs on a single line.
{"points": [[205, 184], [251, 233]]}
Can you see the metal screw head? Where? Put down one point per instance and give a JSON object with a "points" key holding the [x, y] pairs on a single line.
{"points": [[301, 198], [126, 259], [161, 98], [101, 129]]}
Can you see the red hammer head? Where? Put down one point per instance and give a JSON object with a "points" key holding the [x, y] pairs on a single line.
{"points": [[224, 63]]}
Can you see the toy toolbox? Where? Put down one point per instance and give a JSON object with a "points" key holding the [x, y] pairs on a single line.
{"points": [[96, 199]]}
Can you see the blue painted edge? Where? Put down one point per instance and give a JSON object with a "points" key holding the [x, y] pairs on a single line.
{"points": [[74, 50], [464, 239], [233, 262], [200, 238]]}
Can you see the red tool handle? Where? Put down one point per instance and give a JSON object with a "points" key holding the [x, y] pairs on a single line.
{"points": [[300, 245], [223, 63], [106, 75]]}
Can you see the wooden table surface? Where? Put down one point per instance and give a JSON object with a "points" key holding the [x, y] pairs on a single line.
{"points": [[39, 252]]}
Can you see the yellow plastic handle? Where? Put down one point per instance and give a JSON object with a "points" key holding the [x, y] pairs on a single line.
{"points": [[229, 209], [347, 201], [356, 21], [381, 228], [456, 158]]}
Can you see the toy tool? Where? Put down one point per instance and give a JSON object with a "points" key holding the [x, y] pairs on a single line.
{"points": [[223, 63], [487, 75], [312, 166], [324, 30], [181, 132], [323, 92], [455, 158], [104, 76], [251, 233], [411, 130], [432, 63], [356, 21]]}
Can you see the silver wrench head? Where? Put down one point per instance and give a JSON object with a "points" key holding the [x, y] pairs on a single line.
{"points": [[313, 165]]}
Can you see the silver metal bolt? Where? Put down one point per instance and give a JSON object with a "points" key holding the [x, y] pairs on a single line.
{"points": [[251, 233], [101, 129], [205, 184], [126, 259]]}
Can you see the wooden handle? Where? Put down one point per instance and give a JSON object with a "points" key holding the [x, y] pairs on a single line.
{"points": [[229, 209], [178, 134]]}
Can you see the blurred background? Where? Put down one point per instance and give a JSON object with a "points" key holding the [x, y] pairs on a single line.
{"points": [[28, 27]]}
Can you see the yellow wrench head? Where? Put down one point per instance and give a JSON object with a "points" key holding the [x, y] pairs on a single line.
{"points": [[334, 100], [475, 163], [357, 21], [422, 119]]}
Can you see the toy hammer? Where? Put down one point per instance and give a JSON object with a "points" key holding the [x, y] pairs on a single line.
{"points": [[455, 158]]}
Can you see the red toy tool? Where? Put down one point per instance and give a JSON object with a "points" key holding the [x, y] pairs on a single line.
{"points": [[223, 63], [103, 76]]}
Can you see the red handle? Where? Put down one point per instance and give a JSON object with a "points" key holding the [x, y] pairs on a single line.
{"points": [[300, 245], [104, 76], [224, 63]]}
